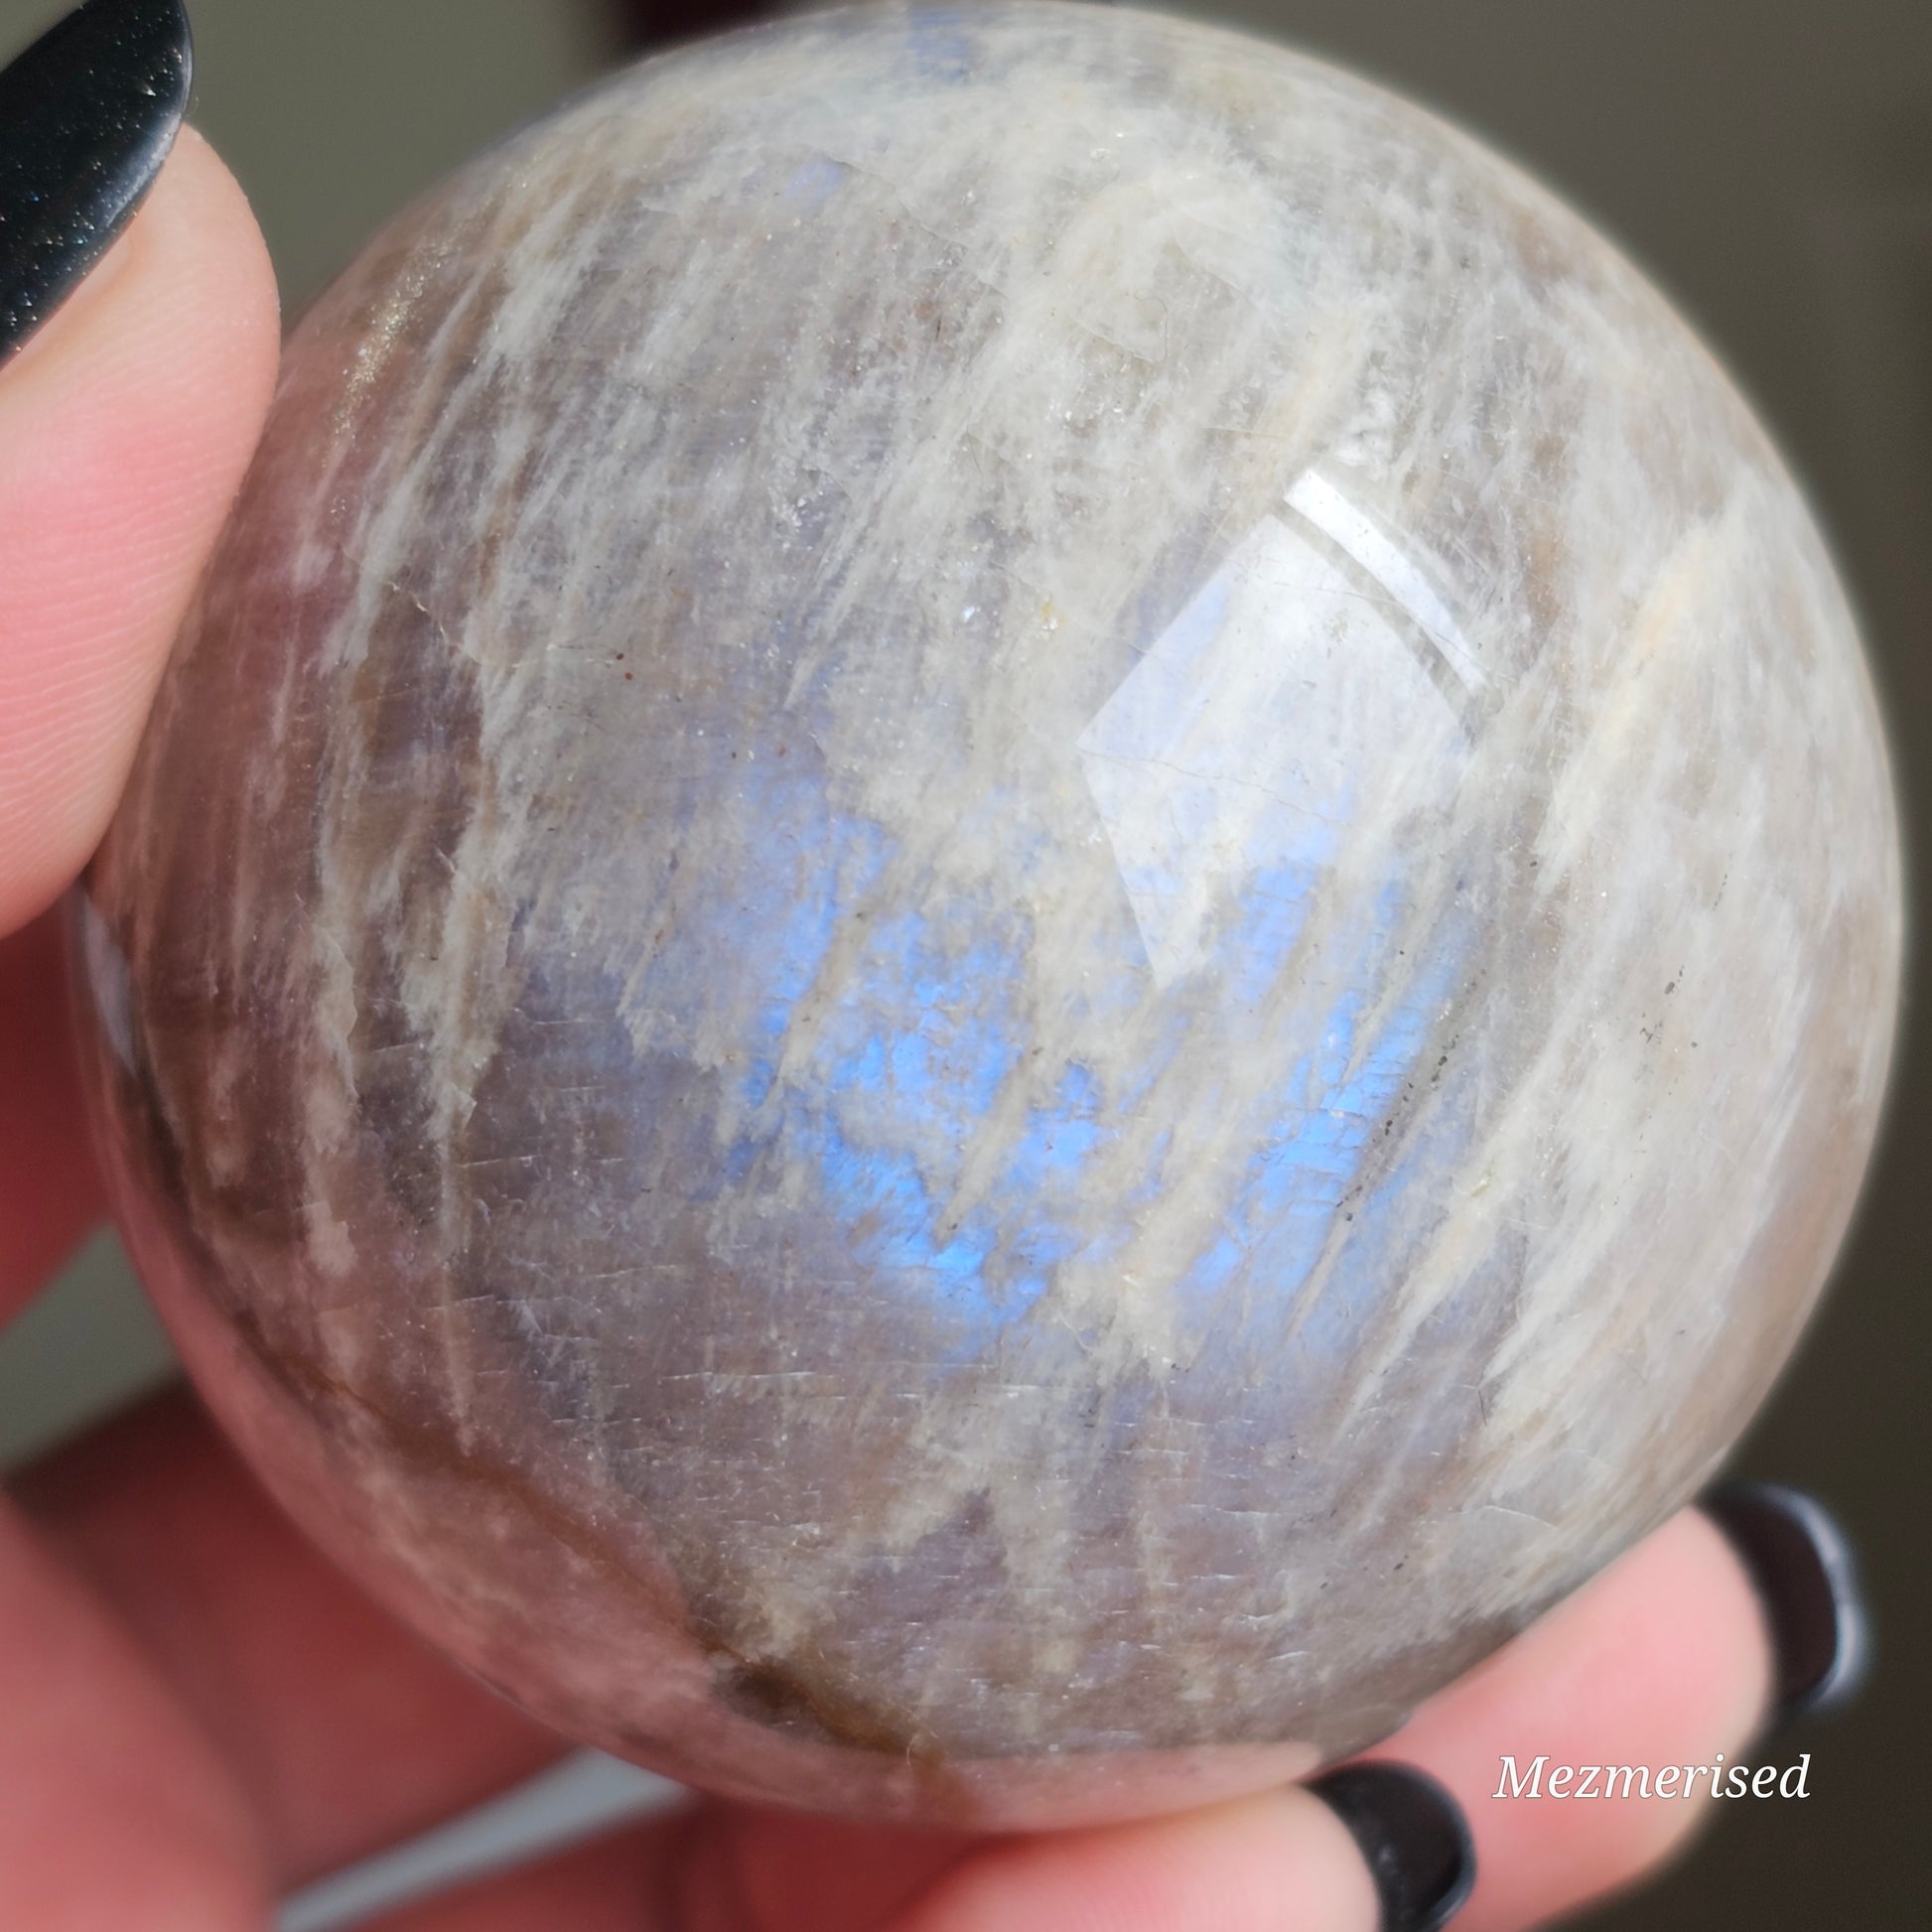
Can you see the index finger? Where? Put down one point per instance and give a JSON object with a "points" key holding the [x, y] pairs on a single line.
{"points": [[125, 426]]}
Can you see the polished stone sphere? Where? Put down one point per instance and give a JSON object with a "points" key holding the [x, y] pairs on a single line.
{"points": [[1019, 907]]}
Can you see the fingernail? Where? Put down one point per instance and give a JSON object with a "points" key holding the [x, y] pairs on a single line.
{"points": [[1801, 1564], [88, 115], [1414, 1837]]}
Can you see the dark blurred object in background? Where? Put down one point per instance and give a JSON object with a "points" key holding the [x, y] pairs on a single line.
{"points": [[662, 23]]}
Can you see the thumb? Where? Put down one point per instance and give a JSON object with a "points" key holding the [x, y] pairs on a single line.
{"points": [[126, 422]]}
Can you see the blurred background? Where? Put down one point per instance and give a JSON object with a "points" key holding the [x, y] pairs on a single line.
{"points": [[1770, 162]]}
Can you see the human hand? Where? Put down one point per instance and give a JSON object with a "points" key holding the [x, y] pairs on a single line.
{"points": [[201, 1712]]}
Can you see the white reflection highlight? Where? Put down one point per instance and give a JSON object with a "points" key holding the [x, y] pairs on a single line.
{"points": [[1351, 532]]}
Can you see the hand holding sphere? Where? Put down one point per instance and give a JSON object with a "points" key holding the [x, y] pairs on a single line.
{"points": [[894, 1029]]}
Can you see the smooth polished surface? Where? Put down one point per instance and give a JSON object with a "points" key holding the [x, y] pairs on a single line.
{"points": [[1020, 908]]}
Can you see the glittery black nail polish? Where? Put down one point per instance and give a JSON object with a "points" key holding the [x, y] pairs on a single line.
{"points": [[1414, 1838], [1800, 1563], [88, 115]]}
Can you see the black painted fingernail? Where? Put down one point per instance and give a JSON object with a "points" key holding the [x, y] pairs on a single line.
{"points": [[1412, 1835], [88, 115], [1801, 1564]]}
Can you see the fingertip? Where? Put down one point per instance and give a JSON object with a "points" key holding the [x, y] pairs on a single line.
{"points": [[1661, 1661], [1726, 1643], [1414, 1838], [1334, 1881], [1263, 1863], [224, 281], [125, 426]]}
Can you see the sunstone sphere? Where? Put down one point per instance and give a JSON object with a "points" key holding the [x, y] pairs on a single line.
{"points": [[1019, 907]]}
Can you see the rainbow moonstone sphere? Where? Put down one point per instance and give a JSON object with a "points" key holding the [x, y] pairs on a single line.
{"points": [[1019, 907]]}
